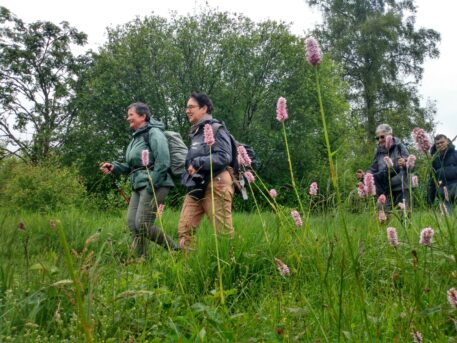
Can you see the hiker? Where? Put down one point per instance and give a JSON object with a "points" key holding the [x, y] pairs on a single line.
{"points": [[444, 178], [388, 146], [196, 179], [145, 200]]}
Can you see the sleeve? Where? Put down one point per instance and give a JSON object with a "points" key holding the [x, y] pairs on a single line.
{"points": [[221, 153], [161, 155], [120, 168]]}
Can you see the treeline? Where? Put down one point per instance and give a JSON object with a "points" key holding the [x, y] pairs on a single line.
{"points": [[76, 105]]}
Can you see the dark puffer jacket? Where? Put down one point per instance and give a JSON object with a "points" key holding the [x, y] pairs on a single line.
{"points": [[380, 171], [445, 170], [198, 155]]}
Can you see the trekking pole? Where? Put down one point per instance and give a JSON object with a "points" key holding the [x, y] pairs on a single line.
{"points": [[121, 191]]}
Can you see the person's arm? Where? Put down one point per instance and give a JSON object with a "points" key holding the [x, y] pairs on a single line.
{"points": [[120, 168], [160, 155]]}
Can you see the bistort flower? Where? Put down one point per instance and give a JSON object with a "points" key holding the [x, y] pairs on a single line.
{"points": [[273, 193], [382, 216], [361, 190], [382, 199], [388, 161], [392, 236], [313, 189], [145, 157], [368, 181], [296, 216], [208, 133], [389, 142], [426, 236], [281, 110], [313, 51], [243, 157], [452, 297], [415, 181], [411, 161], [421, 139], [249, 176], [282, 267]]}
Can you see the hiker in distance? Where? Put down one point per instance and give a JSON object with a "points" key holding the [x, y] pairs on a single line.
{"points": [[145, 199], [196, 179], [389, 168], [445, 171]]}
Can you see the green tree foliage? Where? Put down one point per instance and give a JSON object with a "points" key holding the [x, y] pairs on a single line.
{"points": [[38, 73], [244, 67], [382, 53]]}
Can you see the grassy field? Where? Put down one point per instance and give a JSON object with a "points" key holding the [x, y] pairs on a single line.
{"points": [[346, 282]]}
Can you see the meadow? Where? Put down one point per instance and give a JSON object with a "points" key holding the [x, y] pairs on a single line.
{"points": [[345, 280]]}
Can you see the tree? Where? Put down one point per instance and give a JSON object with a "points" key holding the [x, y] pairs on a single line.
{"points": [[38, 73], [382, 54], [243, 66]]}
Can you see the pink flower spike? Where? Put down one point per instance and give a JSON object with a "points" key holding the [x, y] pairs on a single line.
{"points": [[208, 133], [417, 336], [361, 190], [313, 51], [313, 189], [243, 157], [382, 199], [422, 140], [392, 236], [446, 193], [145, 157], [282, 267], [401, 205], [426, 236], [281, 110], [389, 142], [382, 217], [388, 161], [273, 193], [368, 181], [411, 161], [415, 181], [452, 297], [160, 210], [296, 216], [249, 176]]}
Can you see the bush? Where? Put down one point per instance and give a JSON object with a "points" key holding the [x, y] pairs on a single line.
{"points": [[43, 187]]}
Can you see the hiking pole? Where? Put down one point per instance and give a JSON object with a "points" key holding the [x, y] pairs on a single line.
{"points": [[121, 190]]}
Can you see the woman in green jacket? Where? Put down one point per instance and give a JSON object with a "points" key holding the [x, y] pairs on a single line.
{"points": [[144, 202]]}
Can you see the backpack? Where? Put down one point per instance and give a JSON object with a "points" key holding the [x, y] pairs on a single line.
{"points": [[237, 170], [178, 151]]}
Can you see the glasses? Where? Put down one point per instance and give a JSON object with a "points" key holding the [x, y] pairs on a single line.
{"points": [[191, 107], [379, 137]]}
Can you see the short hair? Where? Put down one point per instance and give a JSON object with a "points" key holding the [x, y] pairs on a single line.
{"points": [[203, 100], [384, 128], [441, 136], [141, 109]]}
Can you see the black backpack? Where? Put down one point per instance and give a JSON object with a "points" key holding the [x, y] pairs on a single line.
{"points": [[237, 171]]}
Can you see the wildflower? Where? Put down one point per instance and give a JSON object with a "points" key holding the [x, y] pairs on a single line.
{"points": [[313, 51], [422, 140], [382, 216], [392, 236], [249, 177], [296, 216], [208, 133], [273, 193], [313, 189], [282, 267], [452, 297], [243, 157], [361, 190], [389, 142], [21, 226], [160, 210], [145, 157], [281, 110], [417, 336], [415, 181], [401, 205], [426, 236], [388, 161], [411, 161], [368, 181], [382, 199]]}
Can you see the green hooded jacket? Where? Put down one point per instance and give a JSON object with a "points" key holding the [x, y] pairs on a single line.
{"points": [[159, 158]]}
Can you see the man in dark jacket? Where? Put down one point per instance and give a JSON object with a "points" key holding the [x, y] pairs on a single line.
{"points": [[443, 181], [390, 180], [196, 179]]}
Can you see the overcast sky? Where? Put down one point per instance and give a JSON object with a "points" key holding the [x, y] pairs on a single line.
{"points": [[92, 17]]}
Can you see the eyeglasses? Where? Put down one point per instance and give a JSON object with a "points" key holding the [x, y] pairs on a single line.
{"points": [[379, 137], [191, 107]]}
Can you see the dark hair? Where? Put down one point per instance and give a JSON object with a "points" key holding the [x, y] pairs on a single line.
{"points": [[441, 136], [141, 109], [203, 100]]}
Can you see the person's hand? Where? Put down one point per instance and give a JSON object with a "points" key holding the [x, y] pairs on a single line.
{"points": [[106, 168], [401, 162], [359, 174], [191, 170]]}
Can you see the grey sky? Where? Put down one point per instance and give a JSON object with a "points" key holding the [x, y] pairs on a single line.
{"points": [[439, 83]]}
